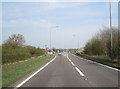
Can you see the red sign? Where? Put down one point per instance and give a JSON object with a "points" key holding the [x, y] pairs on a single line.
{"points": [[47, 49]]}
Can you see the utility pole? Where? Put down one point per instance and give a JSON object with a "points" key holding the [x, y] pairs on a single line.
{"points": [[78, 43], [119, 41], [111, 46], [119, 33], [50, 39], [50, 36]]}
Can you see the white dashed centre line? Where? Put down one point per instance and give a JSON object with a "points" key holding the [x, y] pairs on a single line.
{"points": [[72, 63], [76, 67], [79, 71], [68, 58]]}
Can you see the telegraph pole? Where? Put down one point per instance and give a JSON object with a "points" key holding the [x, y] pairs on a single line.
{"points": [[119, 31], [78, 40], [50, 39], [111, 46], [50, 36]]}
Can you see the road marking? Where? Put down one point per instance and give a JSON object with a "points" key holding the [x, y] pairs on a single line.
{"points": [[99, 63], [76, 67], [103, 65], [19, 85], [68, 58], [79, 72], [72, 63], [107, 66]]}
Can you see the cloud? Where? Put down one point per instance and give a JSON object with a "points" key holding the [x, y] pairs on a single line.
{"points": [[59, 0], [34, 20], [54, 10], [33, 8], [39, 23]]}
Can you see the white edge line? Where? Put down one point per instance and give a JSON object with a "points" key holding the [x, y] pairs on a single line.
{"points": [[33, 74], [100, 64], [103, 65], [107, 66], [79, 71]]}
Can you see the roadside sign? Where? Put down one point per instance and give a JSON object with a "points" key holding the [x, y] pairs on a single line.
{"points": [[64, 50], [52, 51], [47, 49]]}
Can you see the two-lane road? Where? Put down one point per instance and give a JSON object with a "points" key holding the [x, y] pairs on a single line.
{"points": [[69, 70]]}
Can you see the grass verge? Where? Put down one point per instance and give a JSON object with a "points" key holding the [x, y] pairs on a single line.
{"points": [[102, 61], [13, 72]]}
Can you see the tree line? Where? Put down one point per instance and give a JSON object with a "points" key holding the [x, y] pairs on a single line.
{"points": [[100, 43], [13, 49]]}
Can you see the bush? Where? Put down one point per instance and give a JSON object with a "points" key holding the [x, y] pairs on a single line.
{"points": [[12, 55], [36, 52], [14, 50], [100, 43]]}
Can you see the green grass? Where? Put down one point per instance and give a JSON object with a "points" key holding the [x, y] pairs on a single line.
{"points": [[102, 61], [13, 72]]}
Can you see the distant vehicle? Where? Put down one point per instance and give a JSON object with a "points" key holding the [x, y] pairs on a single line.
{"points": [[59, 54]]}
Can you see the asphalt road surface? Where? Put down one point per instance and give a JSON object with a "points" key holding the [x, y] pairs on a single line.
{"points": [[69, 70]]}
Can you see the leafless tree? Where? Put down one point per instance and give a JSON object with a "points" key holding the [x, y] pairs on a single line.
{"points": [[14, 41]]}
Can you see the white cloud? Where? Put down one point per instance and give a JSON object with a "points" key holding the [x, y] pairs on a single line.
{"points": [[35, 9], [59, 0], [84, 20], [39, 23], [31, 9]]}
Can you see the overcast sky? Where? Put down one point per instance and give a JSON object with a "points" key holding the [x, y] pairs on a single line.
{"points": [[77, 22]]}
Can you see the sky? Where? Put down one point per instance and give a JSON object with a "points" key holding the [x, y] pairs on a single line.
{"points": [[71, 24]]}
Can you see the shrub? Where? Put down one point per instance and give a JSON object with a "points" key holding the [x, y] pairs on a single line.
{"points": [[12, 55], [100, 43], [36, 52], [14, 50]]}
